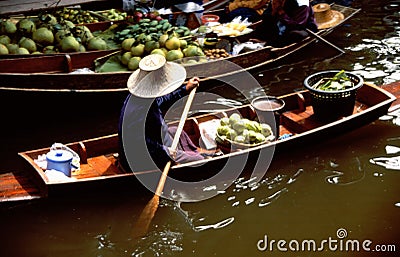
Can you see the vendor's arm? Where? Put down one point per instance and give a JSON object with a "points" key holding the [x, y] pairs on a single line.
{"points": [[166, 101]]}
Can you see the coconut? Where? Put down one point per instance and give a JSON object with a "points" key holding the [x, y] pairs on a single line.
{"points": [[163, 38], [97, 43], [49, 50], [8, 27], [133, 63], [173, 43], [3, 49], [22, 50], [4, 39], [12, 48], [69, 44], [126, 57], [26, 26], [137, 50], [158, 51], [173, 55], [43, 36], [150, 46], [28, 44], [82, 48], [84, 34], [127, 44], [183, 43], [60, 35]]}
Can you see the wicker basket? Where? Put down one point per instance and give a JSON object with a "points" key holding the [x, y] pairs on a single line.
{"points": [[331, 105]]}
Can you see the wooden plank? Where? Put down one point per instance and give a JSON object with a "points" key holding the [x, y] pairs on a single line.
{"points": [[22, 6], [17, 186], [394, 88]]}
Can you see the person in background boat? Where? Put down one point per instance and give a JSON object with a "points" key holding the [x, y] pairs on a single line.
{"points": [[159, 4], [250, 9], [154, 88], [286, 21]]}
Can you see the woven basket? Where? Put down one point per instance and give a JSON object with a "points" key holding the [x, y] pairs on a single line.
{"points": [[331, 105]]}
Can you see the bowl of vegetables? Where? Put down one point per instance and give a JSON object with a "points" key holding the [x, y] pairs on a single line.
{"points": [[333, 93], [235, 132]]}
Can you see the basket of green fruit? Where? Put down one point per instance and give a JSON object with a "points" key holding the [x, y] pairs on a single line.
{"points": [[333, 93], [235, 132]]}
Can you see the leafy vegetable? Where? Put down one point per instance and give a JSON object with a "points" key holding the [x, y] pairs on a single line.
{"points": [[338, 82]]}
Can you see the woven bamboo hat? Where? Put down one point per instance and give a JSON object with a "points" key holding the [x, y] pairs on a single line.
{"points": [[325, 17], [155, 77]]}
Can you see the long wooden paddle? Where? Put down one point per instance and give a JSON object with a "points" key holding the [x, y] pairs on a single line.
{"points": [[324, 40], [150, 209]]}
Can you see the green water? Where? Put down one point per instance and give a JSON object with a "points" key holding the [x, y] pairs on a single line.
{"points": [[325, 192]]}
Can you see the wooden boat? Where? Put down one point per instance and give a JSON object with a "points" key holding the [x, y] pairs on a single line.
{"points": [[98, 157], [17, 79]]}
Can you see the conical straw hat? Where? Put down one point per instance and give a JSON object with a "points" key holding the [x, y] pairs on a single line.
{"points": [[156, 77], [325, 17]]}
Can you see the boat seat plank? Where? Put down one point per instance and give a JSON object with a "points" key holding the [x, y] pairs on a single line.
{"points": [[299, 121], [97, 166]]}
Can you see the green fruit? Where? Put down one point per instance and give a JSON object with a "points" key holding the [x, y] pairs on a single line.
{"points": [[137, 50], [97, 43], [43, 36], [150, 46], [69, 44], [133, 63], [183, 43], [163, 38], [193, 51], [173, 55], [22, 50], [4, 39], [84, 34], [8, 27], [49, 19], [60, 35], [127, 44], [235, 117], [12, 48], [126, 57], [26, 26], [173, 43], [28, 44], [69, 24], [82, 48], [3, 49], [158, 51], [49, 50]]}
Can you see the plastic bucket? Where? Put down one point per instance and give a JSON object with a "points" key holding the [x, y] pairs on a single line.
{"points": [[268, 110], [59, 160]]}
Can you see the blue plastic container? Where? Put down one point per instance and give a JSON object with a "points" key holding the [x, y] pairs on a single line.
{"points": [[59, 160]]}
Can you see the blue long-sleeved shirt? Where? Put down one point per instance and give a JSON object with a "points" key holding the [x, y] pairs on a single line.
{"points": [[142, 126]]}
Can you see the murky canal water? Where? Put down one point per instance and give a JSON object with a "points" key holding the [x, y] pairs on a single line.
{"points": [[325, 193]]}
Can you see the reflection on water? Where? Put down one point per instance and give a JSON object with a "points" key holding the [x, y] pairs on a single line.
{"points": [[349, 176]]}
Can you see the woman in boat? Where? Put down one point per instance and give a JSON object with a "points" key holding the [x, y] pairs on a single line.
{"points": [[250, 9], [154, 88], [286, 21]]}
